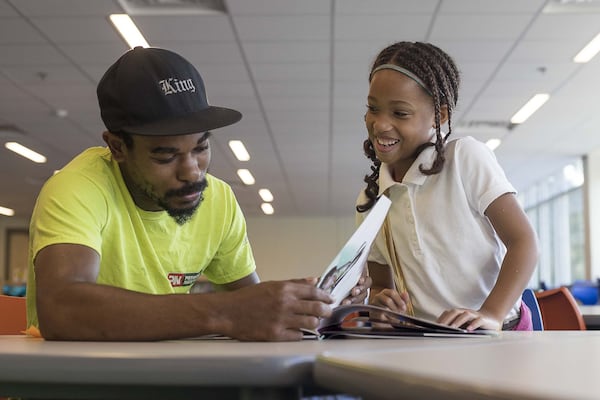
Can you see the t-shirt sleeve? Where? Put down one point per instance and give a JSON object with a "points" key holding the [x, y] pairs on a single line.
{"points": [[70, 209], [482, 176], [234, 259]]}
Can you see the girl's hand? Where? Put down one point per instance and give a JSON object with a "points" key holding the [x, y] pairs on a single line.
{"points": [[390, 299], [469, 319]]}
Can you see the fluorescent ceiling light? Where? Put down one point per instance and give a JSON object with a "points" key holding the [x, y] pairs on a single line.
{"points": [[589, 51], [239, 150], [9, 212], [128, 30], [573, 175], [25, 152], [266, 195], [174, 7], [267, 208], [529, 108], [493, 143], [246, 176]]}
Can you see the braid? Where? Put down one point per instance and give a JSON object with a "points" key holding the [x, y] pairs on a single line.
{"points": [[372, 190], [442, 78]]}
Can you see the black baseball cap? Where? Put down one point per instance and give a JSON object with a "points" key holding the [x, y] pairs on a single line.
{"points": [[156, 92]]}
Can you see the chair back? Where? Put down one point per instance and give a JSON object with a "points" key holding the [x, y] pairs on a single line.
{"points": [[584, 292], [559, 310], [13, 315], [530, 301]]}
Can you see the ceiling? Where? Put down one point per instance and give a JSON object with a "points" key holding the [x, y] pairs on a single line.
{"points": [[297, 70]]}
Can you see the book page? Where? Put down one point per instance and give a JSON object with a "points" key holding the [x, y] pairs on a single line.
{"points": [[373, 321], [345, 270]]}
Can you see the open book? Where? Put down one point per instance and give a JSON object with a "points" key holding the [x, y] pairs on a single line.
{"points": [[346, 268], [360, 320]]}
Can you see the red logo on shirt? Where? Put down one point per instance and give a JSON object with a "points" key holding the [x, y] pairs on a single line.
{"points": [[178, 279]]}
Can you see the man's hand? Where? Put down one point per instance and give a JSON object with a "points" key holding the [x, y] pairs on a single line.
{"points": [[360, 292], [273, 311]]}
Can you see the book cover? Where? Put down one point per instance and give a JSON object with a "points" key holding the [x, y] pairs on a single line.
{"points": [[345, 270]]}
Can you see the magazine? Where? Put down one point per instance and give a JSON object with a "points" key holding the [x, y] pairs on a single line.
{"points": [[361, 320], [346, 268]]}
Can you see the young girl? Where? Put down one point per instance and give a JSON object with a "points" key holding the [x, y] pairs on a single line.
{"points": [[456, 246]]}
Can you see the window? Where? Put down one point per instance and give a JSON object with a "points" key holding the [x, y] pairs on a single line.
{"points": [[555, 208]]}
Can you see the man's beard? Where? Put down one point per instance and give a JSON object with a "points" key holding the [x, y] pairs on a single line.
{"points": [[183, 215]]}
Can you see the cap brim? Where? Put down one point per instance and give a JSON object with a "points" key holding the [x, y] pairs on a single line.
{"points": [[201, 121]]}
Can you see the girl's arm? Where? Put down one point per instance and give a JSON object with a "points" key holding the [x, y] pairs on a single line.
{"points": [[383, 291], [514, 229], [522, 252]]}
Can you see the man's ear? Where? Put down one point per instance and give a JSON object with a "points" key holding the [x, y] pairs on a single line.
{"points": [[116, 145]]}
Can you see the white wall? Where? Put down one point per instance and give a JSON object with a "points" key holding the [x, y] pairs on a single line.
{"points": [[5, 224], [286, 248]]}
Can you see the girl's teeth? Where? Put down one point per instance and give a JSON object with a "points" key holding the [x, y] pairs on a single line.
{"points": [[387, 142]]}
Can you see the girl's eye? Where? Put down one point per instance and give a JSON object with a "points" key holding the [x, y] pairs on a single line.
{"points": [[400, 114], [371, 108], [202, 148]]}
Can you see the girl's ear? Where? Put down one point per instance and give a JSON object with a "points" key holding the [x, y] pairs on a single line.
{"points": [[116, 145], [443, 114]]}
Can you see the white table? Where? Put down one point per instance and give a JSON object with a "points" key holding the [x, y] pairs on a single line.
{"points": [[591, 316], [548, 365], [223, 369]]}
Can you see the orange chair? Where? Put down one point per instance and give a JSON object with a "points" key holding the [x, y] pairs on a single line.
{"points": [[13, 315], [559, 310]]}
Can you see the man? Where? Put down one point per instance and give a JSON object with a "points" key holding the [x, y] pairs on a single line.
{"points": [[121, 233]]}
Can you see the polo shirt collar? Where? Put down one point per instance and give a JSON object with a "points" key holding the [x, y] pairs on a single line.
{"points": [[413, 175]]}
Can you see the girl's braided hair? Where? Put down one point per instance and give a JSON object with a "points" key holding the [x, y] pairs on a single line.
{"points": [[442, 79]]}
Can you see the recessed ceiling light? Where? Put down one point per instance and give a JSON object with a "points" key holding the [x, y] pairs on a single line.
{"points": [[239, 150], [573, 175], [493, 143], [128, 30], [246, 176], [267, 208], [589, 51], [25, 152], [529, 108], [173, 7], [266, 195], [9, 212], [61, 113]]}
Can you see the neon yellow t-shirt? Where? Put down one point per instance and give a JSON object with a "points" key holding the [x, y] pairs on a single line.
{"points": [[87, 203]]}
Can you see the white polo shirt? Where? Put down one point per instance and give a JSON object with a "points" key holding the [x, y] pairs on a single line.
{"points": [[448, 249]]}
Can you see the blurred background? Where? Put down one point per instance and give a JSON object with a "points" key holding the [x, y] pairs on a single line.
{"points": [[298, 71]]}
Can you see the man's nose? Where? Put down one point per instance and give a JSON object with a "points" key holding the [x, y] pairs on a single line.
{"points": [[189, 169]]}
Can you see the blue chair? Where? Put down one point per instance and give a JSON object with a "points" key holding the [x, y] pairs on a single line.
{"points": [[530, 300], [585, 292]]}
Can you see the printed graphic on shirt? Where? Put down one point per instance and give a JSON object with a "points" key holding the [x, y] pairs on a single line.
{"points": [[178, 279]]}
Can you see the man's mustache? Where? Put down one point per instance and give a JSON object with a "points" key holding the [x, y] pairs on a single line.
{"points": [[188, 189]]}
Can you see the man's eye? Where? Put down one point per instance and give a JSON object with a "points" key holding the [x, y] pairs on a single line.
{"points": [[164, 160]]}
